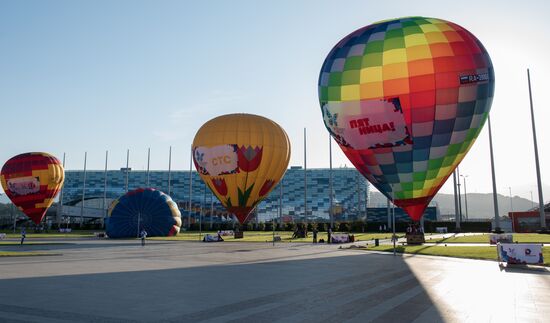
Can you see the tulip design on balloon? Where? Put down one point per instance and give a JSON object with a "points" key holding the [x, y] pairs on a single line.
{"points": [[241, 158]]}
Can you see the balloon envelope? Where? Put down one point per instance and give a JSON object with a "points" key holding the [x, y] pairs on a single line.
{"points": [[241, 157], [147, 209], [405, 99], [31, 181]]}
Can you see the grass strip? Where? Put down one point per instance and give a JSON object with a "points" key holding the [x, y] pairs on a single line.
{"points": [[484, 238], [267, 236], [469, 252]]}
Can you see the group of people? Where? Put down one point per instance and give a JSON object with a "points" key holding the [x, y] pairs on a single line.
{"points": [[415, 228]]}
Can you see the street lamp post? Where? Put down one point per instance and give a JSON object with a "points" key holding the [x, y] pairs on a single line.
{"points": [[465, 196]]}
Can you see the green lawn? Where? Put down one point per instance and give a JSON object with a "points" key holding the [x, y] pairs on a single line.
{"points": [[267, 236], [484, 238], [471, 252]]}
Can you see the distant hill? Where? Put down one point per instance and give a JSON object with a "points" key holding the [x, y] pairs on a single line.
{"points": [[480, 205]]}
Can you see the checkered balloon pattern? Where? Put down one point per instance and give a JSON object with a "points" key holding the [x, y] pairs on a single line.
{"points": [[405, 99]]}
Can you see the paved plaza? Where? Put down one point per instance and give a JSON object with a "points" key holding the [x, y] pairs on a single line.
{"points": [[120, 281]]}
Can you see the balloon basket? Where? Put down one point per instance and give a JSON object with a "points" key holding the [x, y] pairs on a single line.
{"points": [[415, 238]]}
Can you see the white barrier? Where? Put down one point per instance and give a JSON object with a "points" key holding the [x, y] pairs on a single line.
{"points": [[339, 238], [495, 238], [520, 253], [211, 238], [441, 229]]}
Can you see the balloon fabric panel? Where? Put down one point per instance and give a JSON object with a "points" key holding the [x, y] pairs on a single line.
{"points": [[405, 99]]}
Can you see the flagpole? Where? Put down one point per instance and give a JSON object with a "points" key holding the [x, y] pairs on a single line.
{"points": [[457, 218], [495, 201], [305, 178], [60, 206], [394, 236], [190, 188], [281, 202], [105, 187], [148, 163], [169, 169], [83, 191], [459, 195], [539, 181], [127, 170], [331, 188]]}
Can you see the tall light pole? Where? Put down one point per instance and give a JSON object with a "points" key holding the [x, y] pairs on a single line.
{"points": [[465, 196], [539, 181]]}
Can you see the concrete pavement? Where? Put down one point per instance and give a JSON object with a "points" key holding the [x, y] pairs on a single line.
{"points": [[119, 281]]}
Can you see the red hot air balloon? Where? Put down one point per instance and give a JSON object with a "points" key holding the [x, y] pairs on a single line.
{"points": [[31, 181]]}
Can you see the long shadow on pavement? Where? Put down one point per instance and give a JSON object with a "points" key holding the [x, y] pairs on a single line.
{"points": [[360, 287]]}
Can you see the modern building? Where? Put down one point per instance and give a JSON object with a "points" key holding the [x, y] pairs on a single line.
{"points": [[285, 203]]}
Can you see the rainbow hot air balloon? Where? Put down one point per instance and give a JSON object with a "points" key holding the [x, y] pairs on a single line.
{"points": [[405, 99], [241, 157], [31, 181]]}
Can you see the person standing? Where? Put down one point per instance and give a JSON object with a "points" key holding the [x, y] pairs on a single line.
{"points": [[315, 235], [329, 233], [143, 235], [23, 235]]}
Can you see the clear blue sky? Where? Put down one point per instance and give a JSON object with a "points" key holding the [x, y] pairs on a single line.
{"points": [[80, 76]]}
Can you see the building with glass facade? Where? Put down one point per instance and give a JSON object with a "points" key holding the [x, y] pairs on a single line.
{"points": [[286, 202]]}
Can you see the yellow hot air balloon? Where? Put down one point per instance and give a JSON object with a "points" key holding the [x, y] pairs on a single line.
{"points": [[241, 158]]}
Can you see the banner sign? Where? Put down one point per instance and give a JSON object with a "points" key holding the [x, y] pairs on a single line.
{"points": [[370, 124], [217, 160], [339, 238], [520, 253], [502, 238], [24, 185]]}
